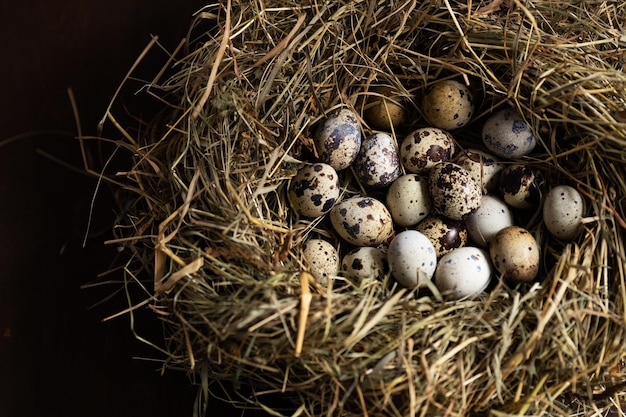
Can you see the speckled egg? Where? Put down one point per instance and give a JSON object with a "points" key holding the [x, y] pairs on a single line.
{"points": [[314, 190], [515, 254], [520, 186], [362, 221], [338, 139], [408, 200], [463, 273], [412, 259], [445, 234], [483, 167], [377, 164], [385, 109], [448, 105], [425, 147], [322, 259], [492, 216], [563, 210], [506, 134], [454, 192], [365, 263]]}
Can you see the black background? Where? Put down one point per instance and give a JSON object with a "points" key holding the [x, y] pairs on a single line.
{"points": [[57, 357]]}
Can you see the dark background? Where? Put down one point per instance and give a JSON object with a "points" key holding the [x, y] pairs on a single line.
{"points": [[57, 357]]}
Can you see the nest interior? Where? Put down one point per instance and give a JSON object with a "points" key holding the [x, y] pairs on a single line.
{"points": [[207, 216]]}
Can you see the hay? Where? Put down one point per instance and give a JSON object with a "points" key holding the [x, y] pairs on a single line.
{"points": [[210, 222]]}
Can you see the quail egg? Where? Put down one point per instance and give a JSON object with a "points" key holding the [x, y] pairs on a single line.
{"points": [[364, 263], [483, 167], [408, 200], [454, 192], [314, 190], [385, 109], [520, 186], [448, 105], [338, 139], [412, 259], [492, 216], [362, 221], [563, 210], [322, 259], [463, 273], [507, 135], [515, 254], [445, 234], [425, 147], [377, 164]]}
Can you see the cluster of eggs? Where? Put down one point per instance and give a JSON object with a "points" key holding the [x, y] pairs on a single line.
{"points": [[447, 216]]}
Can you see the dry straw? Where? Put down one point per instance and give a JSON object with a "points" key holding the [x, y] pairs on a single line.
{"points": [[209, 219]]}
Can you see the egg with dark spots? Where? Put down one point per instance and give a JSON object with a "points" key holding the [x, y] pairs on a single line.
{"points": [[563, 210], [322, 259], [454, 192], [408, 200], [365, 263], [377, 164], [506, 134], [483, 167], [445, 234], [515, 254], [423, 148], [338, 139], [448, 105], [520, 186], [362, 221], [314, 190], [463, 273]]}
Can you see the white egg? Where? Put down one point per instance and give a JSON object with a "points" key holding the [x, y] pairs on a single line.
{"points": [[492, 216], [412, 259], [322, 259], [563, 210], [408, 200], [463, 273]]}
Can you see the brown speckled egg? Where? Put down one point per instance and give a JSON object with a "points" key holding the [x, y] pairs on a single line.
{"points": [[515, 254], [448, 105], [485, 168], [362, 221], [425, 147], [377, 164], [408, 200], [338, 139], [385, 109], [322, 259], [520, 186], [365, 263], [454, 192], [314, 190], [506, 134], [445, 234]]}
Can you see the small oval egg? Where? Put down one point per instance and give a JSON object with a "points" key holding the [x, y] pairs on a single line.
{"points": [[484, 168], [445, 234], [454, 192], [507, 135], [408, 200], [492, 216], [423, 148], [412, 259], [463, 273], [385, 109], [563, 210], [314, 190], [362, 221], [365, 263], [338, 139], [377, 164], [515, 254], [448, 105], [520, 186], [322, 259]]}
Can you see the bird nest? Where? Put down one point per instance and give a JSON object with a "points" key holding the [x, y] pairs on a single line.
{"points": [[207, 217]]}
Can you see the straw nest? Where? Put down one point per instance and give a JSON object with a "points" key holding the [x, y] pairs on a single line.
{"points": [[209, 220]]}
